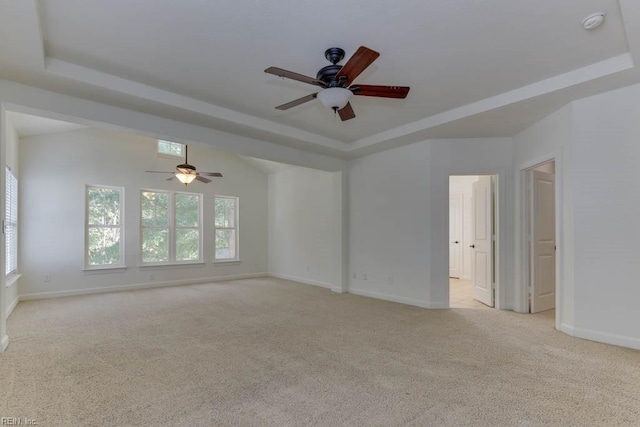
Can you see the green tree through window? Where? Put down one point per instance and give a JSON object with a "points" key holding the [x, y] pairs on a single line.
{"points": [[226, 227], [104, 226], [171, 227]]}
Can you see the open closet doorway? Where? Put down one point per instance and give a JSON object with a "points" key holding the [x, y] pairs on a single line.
{"points": [[540, 232], [472, 243]]}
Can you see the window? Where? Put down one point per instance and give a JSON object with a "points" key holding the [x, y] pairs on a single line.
{"points": [[104, 235], [171, 227], [168, 148], [11, 223], [226, 228]]}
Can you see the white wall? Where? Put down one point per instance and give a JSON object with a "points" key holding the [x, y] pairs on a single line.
{"points": [[302, 226], [12, 161], [399, 216], [54, 170], [463, 185], [607, 207]]}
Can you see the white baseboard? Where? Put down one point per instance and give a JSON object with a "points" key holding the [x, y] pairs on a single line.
{"points": [[603, 337], [12, 306], [88, 291], [4, 343], [402, 300], [300, 280]]}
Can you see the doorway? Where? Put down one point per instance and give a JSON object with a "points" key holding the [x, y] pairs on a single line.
{"points": [[472, 241], [540, 237]]}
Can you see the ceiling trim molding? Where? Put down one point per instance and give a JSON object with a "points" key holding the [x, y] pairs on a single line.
{"points": [[40, 102], [152, 93], [561, 81]]}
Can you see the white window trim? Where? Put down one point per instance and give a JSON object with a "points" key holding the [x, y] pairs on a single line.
{"points": [[170, 156], [172, 230], [13, 273], [121, 264], [236, 228]]}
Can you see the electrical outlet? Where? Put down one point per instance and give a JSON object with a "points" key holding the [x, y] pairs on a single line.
{"points": [[47, 277], [353, 276], [308, 268], [390, 280], [364, 276], [152, 276]]}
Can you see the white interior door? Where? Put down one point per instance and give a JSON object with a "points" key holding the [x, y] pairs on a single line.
{"points": [[482, 246], [455, 236], [543, 235]]}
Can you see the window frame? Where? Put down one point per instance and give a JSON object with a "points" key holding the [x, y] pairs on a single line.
{"points": [[121, 226], [236, 228], [172, 229], [171, 156], [11, 252]]}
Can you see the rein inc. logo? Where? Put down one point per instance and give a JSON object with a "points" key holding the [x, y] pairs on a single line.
{"points": [[17, 421]]}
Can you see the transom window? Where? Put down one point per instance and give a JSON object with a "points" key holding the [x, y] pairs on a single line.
{"points": [[104, 223], [169, 148], [226, 228], [171, 227]]}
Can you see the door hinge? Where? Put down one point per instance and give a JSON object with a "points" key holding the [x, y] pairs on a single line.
{"points": [[4, 221]]}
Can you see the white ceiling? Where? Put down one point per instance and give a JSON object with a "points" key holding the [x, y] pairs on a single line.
{"points": [[202, 62], [26, 125]]}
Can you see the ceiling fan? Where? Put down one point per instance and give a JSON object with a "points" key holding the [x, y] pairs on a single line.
{"points": [[336, 82], [186, 173]]}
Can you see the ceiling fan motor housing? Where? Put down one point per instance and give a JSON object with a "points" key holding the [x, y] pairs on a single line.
{"points": [[328, 74], [186, 168]]}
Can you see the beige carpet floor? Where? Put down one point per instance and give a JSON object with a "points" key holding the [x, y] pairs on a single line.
{"points": [[272, 352]]}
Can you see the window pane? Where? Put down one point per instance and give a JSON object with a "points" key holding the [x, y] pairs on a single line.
{"points": [[104, 246], [225, 244], [225, 212], [155, 244], [187, 210], [170, 148], [155, 209], [187, 245], [104, 206]]}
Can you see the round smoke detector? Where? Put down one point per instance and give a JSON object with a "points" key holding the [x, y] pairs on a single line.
{"points": [[593, 21]]}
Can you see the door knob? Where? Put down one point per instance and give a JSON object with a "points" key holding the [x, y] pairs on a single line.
{"points": [[456, 242], [472, 246]]}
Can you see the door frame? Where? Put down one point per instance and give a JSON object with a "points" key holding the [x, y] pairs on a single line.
{"points": [[500, 229], [522, 253], [461, 197]]}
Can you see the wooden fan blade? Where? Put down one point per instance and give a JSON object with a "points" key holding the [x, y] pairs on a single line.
{"points": [[203, 179], [218, 174], [297, 102], [358, 63], [347, 112], [381, 91], [293, 76], [159, 172]]}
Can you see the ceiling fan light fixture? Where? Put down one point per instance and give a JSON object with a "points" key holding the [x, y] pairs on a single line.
{"points": [[185, 178], [335, 97]]}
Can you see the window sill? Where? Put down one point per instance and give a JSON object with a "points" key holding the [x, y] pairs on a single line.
{"points": [[170, 265], [12, 280], [227, 261], [106, 268]]}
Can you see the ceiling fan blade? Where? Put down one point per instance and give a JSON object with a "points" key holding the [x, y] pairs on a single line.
{"points": [[347, 112], [293, 76], [203, 179], [381, 91], [158, 172], [218, 174], [358, 63], [297, 102]]}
